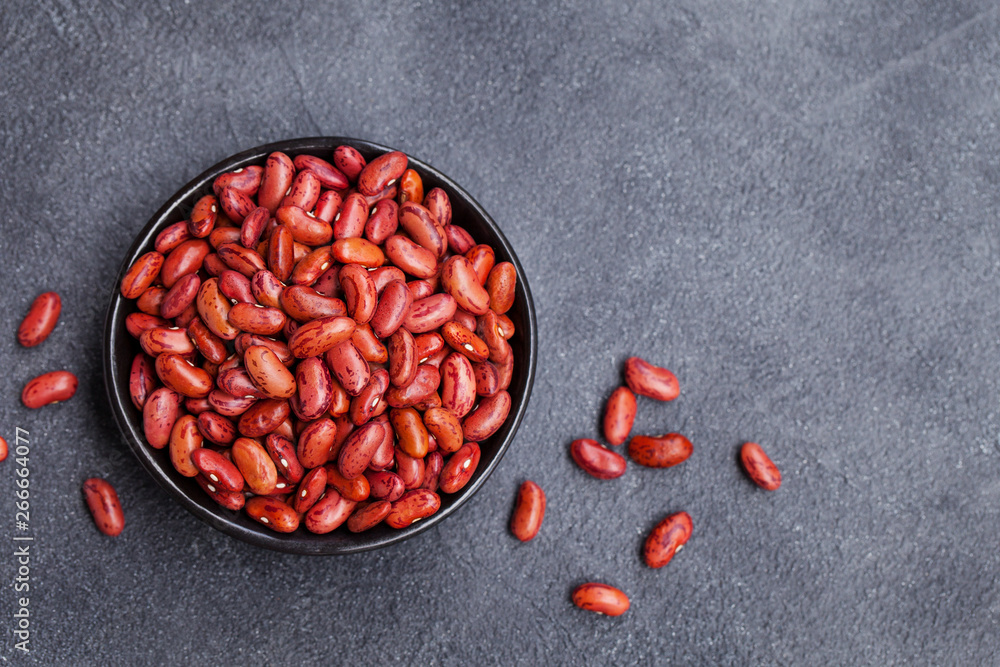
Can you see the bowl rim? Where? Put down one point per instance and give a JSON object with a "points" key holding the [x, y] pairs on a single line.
{"points": [[210, 513]]}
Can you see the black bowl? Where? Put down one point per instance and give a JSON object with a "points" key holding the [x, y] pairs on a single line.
{"points": [[120, 348]]}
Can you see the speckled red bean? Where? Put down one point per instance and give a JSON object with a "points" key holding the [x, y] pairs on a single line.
{"points": [[349, 161], [666, 539], [215, 428], [646, 379], [310, 490], [597, 461], [619, 415], [529, 511], [368, 515], [246, 180], [759, 467], [382, 172], [40, 320], [282, 452], [273, 513], [488, 417], [660, 451], [412, 507], [141, 380], [329, 513], [185, 438], [459, 468], [141, 274], [601, 599], [49, 388], [105, 508], [231, 500], [218, 469]]}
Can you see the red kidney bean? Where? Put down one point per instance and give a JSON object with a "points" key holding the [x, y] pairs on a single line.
{"points": [[263, 417], [393, 307], [434, 463], [459, 279], [203, 216], [182, 260], [327, 205], [358, 251], [104, 506], [228, 499], [180, 375], [356, 489], [425, 382], [197, 405], [445, 427], [500, 285], [427, 345], [312, 266], [218, 469], [185, 438], [315, 442], [597, 461], [180, 296], [266, 288], [236, 287], [383, 221], [409, 469], [151, 300], [458, 385], [402, 358], [329, 513], [246, 180], [304, 304], [459, 468], [420, 289], [316, 337], [368, 515], [304, 227], [759, 467], [273, 513], [660, 452], [430, 313], [253, 227], [216, 428], [529, 510], [223, 235], [141, 380], [439, 206], [256, 319], [619, 415], [213, 309], [279, 170], [349, 161], [255, 466], [359, 292], [359, 448], [159, 413], [487, 378], [601, 599], [171, 237], [49, 388], [328, 175], [381, 172], [328, 284], [228, 405], [348, 366], [136, 323], [466, 319], [482, 258], [411, 187], [314, 386], [412, 258], [350, 222], [304, 191], [235, 204], [157, 340], [246, 340], [646, 379], [505, 327], [40, 320], [207, 343], [666, 539], [282, 453], [310, 490], [463, 341], [246, 261], [385, 455], [412, 507], [281, 253], [213, 265], [237, 382], [418, 223], [459, 240], [363, 405], [410, 431], [506, 368], [141, 274], [368, 344], [384, 485]]}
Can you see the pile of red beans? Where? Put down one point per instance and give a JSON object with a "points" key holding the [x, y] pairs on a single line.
{"points": [[321, 343]]}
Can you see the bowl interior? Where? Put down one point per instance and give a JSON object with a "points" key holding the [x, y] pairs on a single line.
{"points": [[120, 348]]}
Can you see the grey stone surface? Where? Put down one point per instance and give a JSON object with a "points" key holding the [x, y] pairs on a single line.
{"points": [[791, 204]]}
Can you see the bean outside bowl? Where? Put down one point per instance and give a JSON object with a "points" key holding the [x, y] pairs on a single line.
{"points": [[120, 348]]}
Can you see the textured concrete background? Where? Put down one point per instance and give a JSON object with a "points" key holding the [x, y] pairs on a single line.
{"points": [[791, 204]]}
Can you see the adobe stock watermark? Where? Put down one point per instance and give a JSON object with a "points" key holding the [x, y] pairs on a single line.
{"points": [[22, 540]]}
